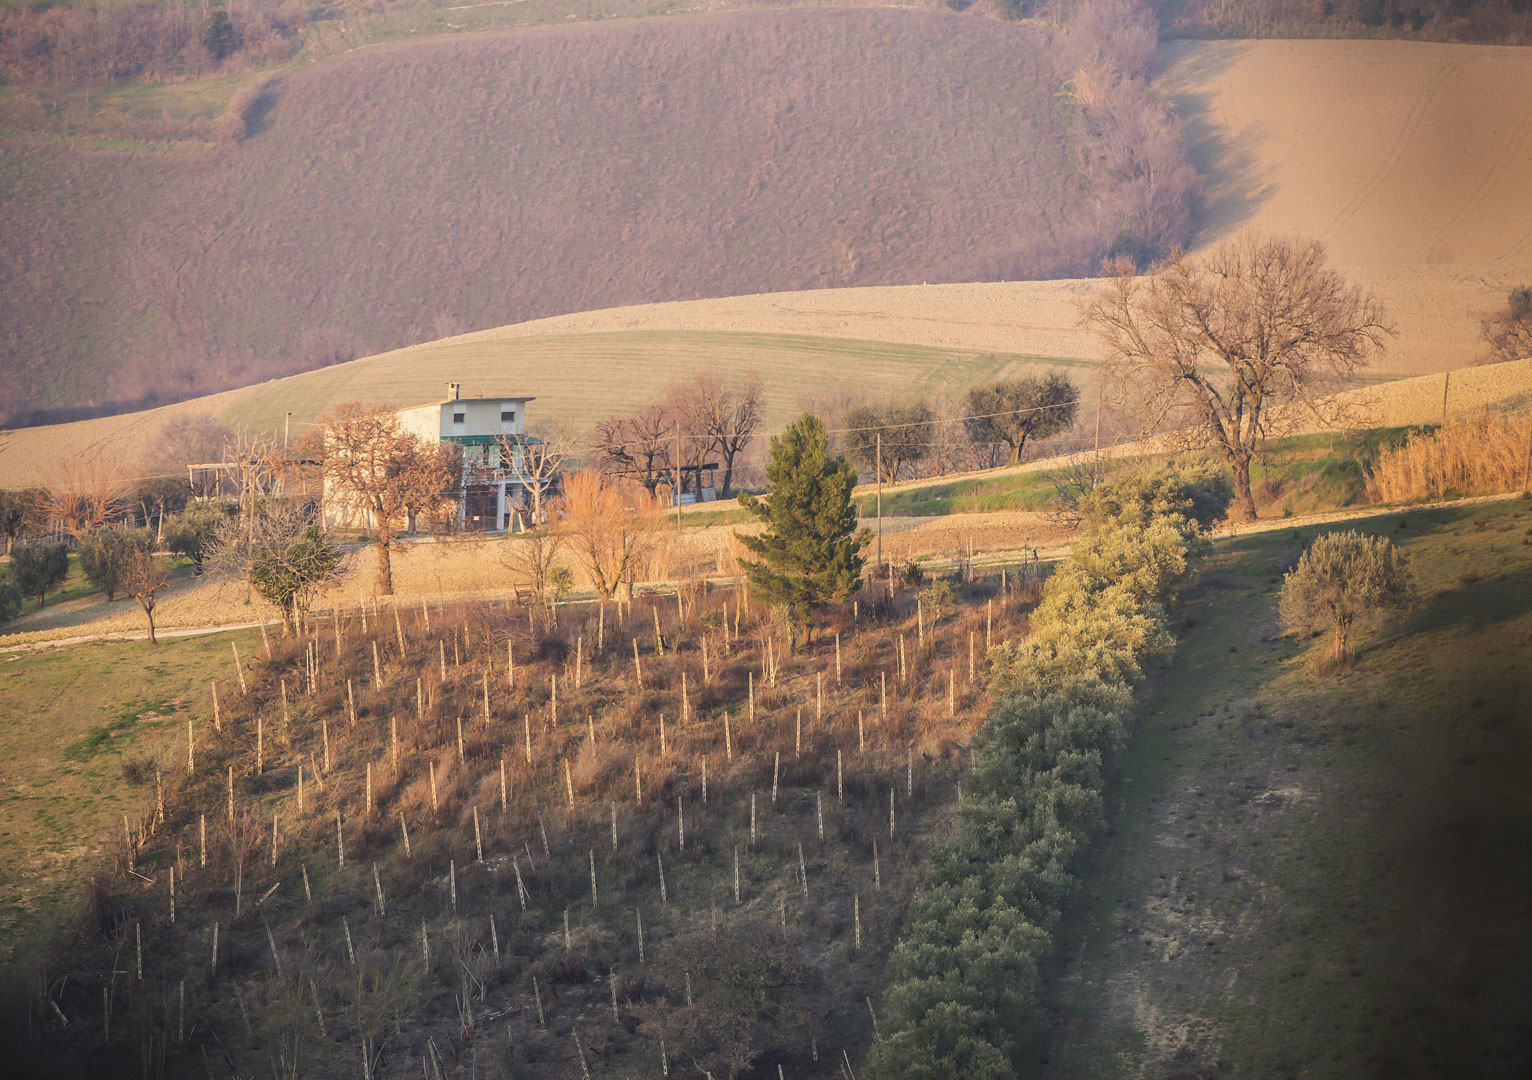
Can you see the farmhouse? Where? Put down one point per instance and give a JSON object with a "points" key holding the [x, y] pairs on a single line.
{"points": [[492, 495]]}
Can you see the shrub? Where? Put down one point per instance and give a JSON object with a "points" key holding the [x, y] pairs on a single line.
{"points": [[241, 110], [1343, 578], [192, 532], [217, 35], [965, 987], [10, 602], [289, 576]]}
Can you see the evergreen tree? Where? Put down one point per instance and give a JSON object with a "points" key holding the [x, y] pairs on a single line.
{"points": [[810, 553]]}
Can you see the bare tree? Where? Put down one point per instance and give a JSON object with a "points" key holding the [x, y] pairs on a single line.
{"points": [[609, 523], [887, 437], [1508, 332], [532, 559], [535, 463], [1236, 346], [725, 416], [641, 446], [143, 576], [86, 492], [380, 474], [185, 438]]}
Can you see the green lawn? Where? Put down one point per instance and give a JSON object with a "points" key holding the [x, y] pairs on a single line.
{"points": [[70, 720], [1298, 475], [1320, 875]]}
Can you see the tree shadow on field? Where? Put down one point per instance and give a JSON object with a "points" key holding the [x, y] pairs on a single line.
{"points": [[1476, 602], [1228, 160], [258, 119]]}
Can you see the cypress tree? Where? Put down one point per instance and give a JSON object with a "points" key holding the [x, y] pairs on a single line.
{"points": [[810, 552]]}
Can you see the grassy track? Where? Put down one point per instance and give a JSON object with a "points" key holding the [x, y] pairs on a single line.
{"points": [[70, 719], [1321, 876]]}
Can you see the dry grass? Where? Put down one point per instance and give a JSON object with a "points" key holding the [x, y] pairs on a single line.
{"points": [[1473, 455]]}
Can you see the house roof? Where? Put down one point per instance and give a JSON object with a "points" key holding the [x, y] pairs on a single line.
{"points": [[465, 400]]}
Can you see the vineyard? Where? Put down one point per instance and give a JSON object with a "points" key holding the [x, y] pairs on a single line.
{"points": [[607, 839]]}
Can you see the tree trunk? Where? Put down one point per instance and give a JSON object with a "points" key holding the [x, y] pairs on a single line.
{"points": [[1342, 641], [149, 615], [385, 554], [1244, 500]]}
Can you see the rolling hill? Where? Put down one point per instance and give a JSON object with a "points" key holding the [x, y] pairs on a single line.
{"points": [[419, 188], [1411, 160]]}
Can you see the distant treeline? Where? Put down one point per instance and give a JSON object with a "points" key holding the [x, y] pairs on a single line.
{"points": [[85, 45], [1507, 22]]}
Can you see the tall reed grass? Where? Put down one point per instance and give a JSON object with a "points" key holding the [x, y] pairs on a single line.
{"points": [[1473, 455]]}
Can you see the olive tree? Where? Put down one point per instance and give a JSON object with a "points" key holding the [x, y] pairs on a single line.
{"points": [[38, 569], [1234, 347], [1012, 411], [1344, 578]]}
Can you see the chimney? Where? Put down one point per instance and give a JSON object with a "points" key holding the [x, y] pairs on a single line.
{"points": [[454, 391]]}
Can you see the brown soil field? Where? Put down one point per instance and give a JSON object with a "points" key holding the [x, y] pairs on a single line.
{"points": [[415, 189]]}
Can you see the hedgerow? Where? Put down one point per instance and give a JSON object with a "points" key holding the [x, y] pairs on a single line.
{"points": [[965, 986]]}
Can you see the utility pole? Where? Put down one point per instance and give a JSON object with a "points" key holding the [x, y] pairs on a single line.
{"points": [[286, 422], [1096, 464], [1526, 470], [1446, 384], [878, 468], [678, 478]]}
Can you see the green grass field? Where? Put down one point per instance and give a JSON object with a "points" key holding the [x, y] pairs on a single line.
{"points": [[1320, 875], [577, 379], [1298, 475], [70, 720]]}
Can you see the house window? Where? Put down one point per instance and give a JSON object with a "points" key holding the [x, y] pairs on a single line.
{"points": [[459, 417], [507, 414]]}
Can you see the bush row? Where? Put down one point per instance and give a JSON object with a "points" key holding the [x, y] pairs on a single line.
{"points": [[965, 977]]}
